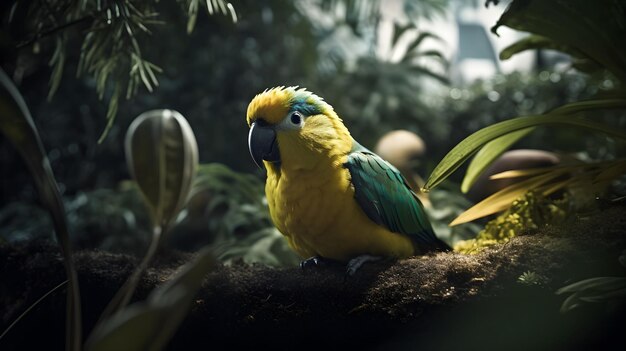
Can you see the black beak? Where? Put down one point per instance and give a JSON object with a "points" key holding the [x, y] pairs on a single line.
{"points": [[262, 143]]}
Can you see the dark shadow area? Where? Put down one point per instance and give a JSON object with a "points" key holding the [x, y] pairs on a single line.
{"points": [[442, 301]]}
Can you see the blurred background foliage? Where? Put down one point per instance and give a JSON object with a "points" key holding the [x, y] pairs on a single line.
{"points": [[211, 68]]}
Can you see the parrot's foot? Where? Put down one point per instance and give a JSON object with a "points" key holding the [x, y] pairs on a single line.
{"points": [[316, 261], [356, 263]]}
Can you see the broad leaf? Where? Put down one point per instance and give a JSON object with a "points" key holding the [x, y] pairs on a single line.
{"points": [[470, 145], [594, 28], [162, 156], [492, 150], [17, 125], [489, 153]]}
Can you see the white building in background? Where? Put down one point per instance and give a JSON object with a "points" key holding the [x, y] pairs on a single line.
{"points": [[468, 43], [465, 29]]}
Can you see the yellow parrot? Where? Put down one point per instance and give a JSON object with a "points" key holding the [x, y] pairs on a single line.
{"points": [[329, 196]]}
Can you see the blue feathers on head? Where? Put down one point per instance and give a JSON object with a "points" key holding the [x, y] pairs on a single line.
{"points": [[306, 102]]}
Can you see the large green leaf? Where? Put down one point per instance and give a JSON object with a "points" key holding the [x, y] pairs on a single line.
{"points": [[492, 150], [149, 325], [162, 155], [595, 28], [17, 125], [470, 145], [489, 153]]}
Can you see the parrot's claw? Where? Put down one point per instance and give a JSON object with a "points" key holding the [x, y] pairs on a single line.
{"points": [[310, 262], [356, 263], [315, 261]]}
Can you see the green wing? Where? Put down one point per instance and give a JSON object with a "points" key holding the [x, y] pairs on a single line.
{"points": [[386, 198]]}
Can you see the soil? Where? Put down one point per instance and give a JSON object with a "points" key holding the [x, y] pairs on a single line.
{"points": [[442, 301]]}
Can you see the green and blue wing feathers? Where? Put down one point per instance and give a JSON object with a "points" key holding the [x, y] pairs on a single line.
{"points": [[386, 198]]}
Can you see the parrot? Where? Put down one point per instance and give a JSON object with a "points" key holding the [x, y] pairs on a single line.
{"points": [[331, 198]]}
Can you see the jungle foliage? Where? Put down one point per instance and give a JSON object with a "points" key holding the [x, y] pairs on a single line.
{"points": [[111, 34], [312, 53], [548, 196], [16, 124], [488, 143], [254, 45]]}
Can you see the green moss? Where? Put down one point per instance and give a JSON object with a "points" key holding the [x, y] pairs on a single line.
{"points": [[529, 212]]}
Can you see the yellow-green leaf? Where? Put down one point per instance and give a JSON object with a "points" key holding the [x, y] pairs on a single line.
{"points": [[492, 150], [489, 153], [517, 173], [554, 187], [502, 199], [466, 148]]}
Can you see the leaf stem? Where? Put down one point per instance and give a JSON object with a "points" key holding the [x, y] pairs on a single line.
{"points": [[125, 293]]}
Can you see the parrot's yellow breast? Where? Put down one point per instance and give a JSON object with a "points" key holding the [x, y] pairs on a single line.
{"points": [[317, 212]]}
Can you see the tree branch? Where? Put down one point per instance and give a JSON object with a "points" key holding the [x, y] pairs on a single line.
{"points": [[53, 30]]}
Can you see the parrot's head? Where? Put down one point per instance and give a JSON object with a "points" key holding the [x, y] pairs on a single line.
{"points": [[295, 129]]}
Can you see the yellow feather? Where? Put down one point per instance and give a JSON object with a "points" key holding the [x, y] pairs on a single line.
{"points": [[317, 212], [271, 105]]}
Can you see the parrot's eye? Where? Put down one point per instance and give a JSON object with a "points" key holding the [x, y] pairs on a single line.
{"points": [[296, 118]]}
